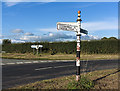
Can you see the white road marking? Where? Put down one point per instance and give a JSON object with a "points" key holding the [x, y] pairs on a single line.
{"points": [[53, 67], [43, 61], [50, 61], [27, 62], [10, 63], [19, 62], [35, 62], [64, 60], [2, 64], [44, 68], [63, 66], [58, 61]]}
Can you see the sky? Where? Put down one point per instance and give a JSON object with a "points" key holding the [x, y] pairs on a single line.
{"points": [[36, 21]]}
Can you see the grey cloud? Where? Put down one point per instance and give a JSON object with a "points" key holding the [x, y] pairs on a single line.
{"points": [[50, 37], [28, 34], [56, 37], [17, 41], [17, 31], [89, 37]]}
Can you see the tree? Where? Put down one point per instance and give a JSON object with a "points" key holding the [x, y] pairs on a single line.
{"points": [[6, 41], [112, 38], [104, 38]]}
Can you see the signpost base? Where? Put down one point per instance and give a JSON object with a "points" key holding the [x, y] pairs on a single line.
{"points": [[77, 78]]}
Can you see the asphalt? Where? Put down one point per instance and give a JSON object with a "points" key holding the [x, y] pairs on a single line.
{"points": [[22, 61], [20, 74]]}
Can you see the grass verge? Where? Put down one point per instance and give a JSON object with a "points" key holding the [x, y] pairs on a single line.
{"points": [[44, 56], [102, 79], [84, 83]]}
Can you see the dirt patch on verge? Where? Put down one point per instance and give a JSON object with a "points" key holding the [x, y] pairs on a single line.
{"points": [[105, 79]]}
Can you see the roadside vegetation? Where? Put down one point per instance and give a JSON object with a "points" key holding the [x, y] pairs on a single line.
{"points": [[103, 79], [106, 48], [58, 56]]}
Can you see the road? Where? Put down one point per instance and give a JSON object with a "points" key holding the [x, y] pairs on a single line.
{"points": [[19, 74]]}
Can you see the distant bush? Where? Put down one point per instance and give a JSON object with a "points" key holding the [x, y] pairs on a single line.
{"points": [[6, 41], [111, 38]]}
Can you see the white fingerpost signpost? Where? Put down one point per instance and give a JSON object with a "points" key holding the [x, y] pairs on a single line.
{"points": [[36, 47], [76, 27]]}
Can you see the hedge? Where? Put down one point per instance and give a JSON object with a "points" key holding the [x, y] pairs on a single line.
{"points": [[87, 47]]}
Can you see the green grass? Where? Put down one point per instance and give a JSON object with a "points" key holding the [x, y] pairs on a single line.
{"points": [[60, 56], [59, 83], [83, 83]]}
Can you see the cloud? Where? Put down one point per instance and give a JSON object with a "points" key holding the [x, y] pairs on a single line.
{"points": [[10, 3], [13, 41], [100, 25], [56, 37], [17, 31], [1, 41], [108, 24], [51, 34], [60, 0], [28, 34], [30, 38], [89, 37], [49, 37], [47, 29], [17, 41], [28, 0]]}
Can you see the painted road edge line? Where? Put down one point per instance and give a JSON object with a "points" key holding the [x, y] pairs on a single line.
{"points": [[35, 62], [27, 62], [10, 63], [44, 68], [53, 67], [19, 62], [2, 64]]}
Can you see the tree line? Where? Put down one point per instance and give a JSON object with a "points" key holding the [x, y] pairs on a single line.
{"points": [[103, 46]]}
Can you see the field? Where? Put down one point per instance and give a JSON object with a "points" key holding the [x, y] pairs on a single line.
{"points": [[103, 79], [46, 56]]}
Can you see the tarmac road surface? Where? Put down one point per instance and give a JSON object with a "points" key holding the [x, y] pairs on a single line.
{"points": [[20, 74]]}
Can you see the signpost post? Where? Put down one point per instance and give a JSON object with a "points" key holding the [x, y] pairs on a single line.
{"points": [[76, 27]]}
